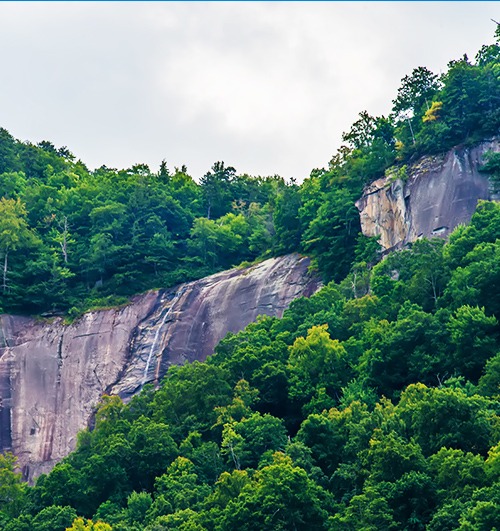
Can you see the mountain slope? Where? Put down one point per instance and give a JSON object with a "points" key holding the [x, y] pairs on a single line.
{"points": [[52, 375]]}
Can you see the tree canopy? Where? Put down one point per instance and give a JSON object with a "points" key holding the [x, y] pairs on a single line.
{"points": [[374, 404]]}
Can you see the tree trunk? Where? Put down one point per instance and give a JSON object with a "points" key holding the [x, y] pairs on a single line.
{"points": [[5, 262], [64, 241]]}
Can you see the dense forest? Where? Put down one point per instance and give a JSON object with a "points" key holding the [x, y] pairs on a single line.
{"points": [[72, 239], [373, 405]]}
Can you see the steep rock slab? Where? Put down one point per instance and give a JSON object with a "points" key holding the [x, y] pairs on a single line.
{"points": [[52, 375], [194, 317], [439, 194], [56, 375]]}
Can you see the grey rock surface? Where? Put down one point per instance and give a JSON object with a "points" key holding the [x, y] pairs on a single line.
{"points": [[439, 194], [52, 375]]}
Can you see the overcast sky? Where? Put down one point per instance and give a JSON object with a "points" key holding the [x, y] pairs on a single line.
{"points": [[267, 87]]}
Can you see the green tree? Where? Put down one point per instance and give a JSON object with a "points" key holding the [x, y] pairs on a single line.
{"points": [[153, 449], [246, 441], [54, 518], [317, 360], [12, 185], [331, 236], [403, 351], [12, 489], [286, 219], [416, 91], [178, 489], [14, 232], [80, 524], [188, 398], [489, 383], [447, 417], [473, 334], [8, 152], [337, 436], [138, 505], [483, 514], [390, 457], [456, 473], [368, 511], [414, 97], [215, 190], [280, 496]]}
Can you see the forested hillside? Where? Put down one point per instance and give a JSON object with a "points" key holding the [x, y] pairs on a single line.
{"points": [[71, 238], [378, 412], [373, 405]]}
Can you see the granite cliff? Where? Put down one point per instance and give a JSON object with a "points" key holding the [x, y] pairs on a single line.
{"points": [[434, 196], [52, 375]]}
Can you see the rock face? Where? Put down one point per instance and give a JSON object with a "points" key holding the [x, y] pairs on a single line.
{"points": [[52, 375], [437, 194]]}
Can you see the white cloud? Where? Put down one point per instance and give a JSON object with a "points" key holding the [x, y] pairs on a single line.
{"points": [[267, 87]]}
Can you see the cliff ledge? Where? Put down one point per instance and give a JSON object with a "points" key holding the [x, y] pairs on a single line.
{"points": [[437, 194]]}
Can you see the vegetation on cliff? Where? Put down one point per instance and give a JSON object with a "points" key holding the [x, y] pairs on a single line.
{"points": [[71, 238], [375, 412], [372, 405]]}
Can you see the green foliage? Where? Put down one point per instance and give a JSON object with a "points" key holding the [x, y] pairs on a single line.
{"points": [[222, 242], [369, 511], [280, 496], [70, 238], [457, 473], [244, 442], [178, 489], [371, 405], [287, 222], [188, 398], [54, 518], [483, 513], [308, 440], [15, 234], [316, 360], [81, 524], [416, 91], [78, 236], [473, 335], [12, 490], [426, 413], [489, 383], [331, 236]]}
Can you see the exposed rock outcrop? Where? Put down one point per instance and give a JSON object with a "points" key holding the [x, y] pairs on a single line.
{"points": [[52, 375], [437, 194]]}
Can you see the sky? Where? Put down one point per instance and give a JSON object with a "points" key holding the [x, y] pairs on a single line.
{"points": [[266, 87]]}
